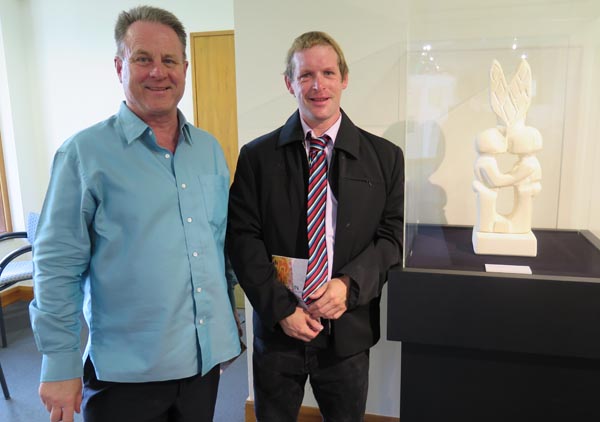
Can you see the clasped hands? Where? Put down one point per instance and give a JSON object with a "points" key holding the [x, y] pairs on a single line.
{"points": [[330, 301]]}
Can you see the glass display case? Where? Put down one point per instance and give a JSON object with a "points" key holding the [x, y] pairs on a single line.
{"points": [[450, 52], [480, 345]]}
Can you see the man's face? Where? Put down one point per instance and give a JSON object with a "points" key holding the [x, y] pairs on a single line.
{"points": [[317, 85], [152, 70]]}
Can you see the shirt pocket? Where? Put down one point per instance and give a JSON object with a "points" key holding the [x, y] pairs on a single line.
{"points": [[215, 190]]}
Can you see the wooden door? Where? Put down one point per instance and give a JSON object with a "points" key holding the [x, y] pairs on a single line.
{"points": [[213, 78], [215, 97]]}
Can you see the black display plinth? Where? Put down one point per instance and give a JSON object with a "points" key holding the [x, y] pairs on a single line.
{"points": [[498, 347]]}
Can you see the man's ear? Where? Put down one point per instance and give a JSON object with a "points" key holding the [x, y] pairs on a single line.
{"points": [[119, 67], [345, 81], [288, 85]]}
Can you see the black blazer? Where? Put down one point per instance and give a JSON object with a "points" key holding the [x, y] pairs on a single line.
{"points": [[267, 216]]}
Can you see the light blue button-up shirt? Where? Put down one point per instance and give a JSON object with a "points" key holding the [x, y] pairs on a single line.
{"points": [[134, 236]]}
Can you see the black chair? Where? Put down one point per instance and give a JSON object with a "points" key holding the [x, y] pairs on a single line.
{"points": [[12, 272], [4, 385]]}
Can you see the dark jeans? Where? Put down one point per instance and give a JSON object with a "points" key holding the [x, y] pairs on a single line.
{"points": [[185, 400], [340, 385]]}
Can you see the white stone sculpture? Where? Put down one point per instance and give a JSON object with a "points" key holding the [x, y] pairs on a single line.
{"points": [[507, 234]]}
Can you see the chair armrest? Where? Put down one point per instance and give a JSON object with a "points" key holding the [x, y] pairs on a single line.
{"points": [[7, 259], [6, 285], [17, 252], [13, 235]]}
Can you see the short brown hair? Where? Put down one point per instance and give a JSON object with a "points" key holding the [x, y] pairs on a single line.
{"points": [[147, 14], [311, 39]]}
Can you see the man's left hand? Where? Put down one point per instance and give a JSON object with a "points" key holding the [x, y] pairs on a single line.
{"points": [[331, 299]]}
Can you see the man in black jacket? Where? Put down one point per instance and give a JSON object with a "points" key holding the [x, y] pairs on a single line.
{"points": [[326, 330]]}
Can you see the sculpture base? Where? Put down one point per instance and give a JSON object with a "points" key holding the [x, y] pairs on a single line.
{"points": [[504, 244]]}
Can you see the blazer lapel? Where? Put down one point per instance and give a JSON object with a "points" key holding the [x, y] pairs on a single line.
{"points": [[292, 160]]}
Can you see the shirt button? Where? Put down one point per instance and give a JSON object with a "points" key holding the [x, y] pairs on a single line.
{"points": [[183, 186], [201, 321], [195, 253], [167, 155], [189, 219], [199, 289]]}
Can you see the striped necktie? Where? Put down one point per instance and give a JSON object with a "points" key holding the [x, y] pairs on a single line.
{"points": [[316, 273]]}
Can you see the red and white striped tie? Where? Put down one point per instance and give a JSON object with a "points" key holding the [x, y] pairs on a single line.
{"points": [[316, 273]]}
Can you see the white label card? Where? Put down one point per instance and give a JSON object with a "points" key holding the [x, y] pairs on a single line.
{"points": [[513, 269]]}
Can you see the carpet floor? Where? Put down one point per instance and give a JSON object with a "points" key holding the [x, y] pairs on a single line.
{"points": [[21, 364]]}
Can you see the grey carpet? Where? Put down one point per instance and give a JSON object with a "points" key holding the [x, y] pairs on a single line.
{"points": [[21, 364]]}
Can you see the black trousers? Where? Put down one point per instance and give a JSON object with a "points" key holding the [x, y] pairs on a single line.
{"points": [[185, 400], [340, 385]]}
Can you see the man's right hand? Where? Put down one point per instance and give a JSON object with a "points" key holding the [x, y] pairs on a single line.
{"points": [[62, 398], [301, 325]]}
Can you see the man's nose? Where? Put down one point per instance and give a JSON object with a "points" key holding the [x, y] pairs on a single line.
{"points": [[158, 70], [317, 83]]}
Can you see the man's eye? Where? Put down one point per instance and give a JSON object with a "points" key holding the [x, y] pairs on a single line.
{"points": [[142, 60]]}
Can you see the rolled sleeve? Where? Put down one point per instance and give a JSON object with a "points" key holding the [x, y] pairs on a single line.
{"points": [[61, 256]]}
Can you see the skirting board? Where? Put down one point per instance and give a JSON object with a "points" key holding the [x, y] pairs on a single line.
{"points": [[312, 414], [24, 293]]}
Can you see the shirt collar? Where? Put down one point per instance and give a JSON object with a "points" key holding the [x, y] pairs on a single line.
{"points": [[331, 132], [134, 127]]}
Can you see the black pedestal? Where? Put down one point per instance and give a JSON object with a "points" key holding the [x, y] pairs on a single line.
{"points": [[498, 347]]}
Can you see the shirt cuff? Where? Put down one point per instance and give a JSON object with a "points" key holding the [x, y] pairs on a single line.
{"points": [[61, 366]]}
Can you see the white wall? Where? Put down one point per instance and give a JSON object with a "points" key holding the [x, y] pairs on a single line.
{"points": [[61, 79], [373, 37], [17, 116], [591, 82]]}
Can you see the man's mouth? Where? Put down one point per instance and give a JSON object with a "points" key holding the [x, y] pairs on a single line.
{"points": [[157, 88]]}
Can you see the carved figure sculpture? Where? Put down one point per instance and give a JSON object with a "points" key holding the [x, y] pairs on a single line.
{"points": [[496, 233]]}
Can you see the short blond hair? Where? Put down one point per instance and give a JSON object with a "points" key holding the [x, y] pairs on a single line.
{"points": [[311, 39]]}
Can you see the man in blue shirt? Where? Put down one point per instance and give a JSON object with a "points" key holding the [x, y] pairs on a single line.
{"points": [[132, 232]]}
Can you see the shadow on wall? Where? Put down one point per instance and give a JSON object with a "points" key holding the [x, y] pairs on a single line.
{"points": [[423, 154]]}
